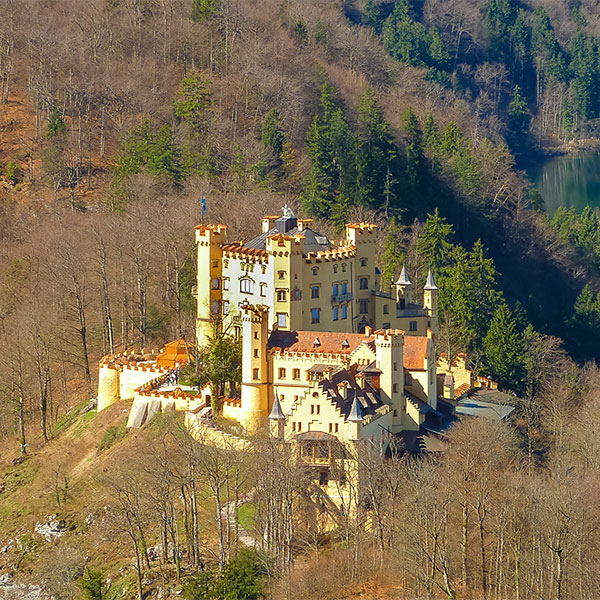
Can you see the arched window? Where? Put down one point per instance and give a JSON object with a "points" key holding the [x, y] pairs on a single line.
{"points": [[246, 286]]}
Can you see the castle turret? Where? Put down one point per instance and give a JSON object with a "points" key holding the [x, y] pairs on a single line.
{"points": [[209, 283], [403, 289], [430, 301], [108, 385], [355, 419], [255, 372], [389, 352], [277, 420]]}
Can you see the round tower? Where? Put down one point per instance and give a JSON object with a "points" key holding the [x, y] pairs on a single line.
{"points": [[430, 301], [255, 372], [403, 289], [108, 385]]}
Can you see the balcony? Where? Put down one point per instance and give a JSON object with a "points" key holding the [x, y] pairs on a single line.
{"points": [[338, 298]]}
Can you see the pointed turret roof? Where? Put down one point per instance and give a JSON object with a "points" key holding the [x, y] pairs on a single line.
{"points": [[356, 412], [276, 412], [430, 283], [404, 279]]}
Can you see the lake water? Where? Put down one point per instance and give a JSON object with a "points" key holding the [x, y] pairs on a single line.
{"points": [[569, 181]]}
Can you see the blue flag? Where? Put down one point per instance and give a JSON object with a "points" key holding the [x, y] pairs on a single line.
{"points": [[203, 205]]}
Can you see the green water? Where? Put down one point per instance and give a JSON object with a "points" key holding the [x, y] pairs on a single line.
{"points": [[569, 181]]}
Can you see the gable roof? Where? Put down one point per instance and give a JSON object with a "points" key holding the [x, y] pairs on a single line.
{"points": [[303, 341], [416, 351]]}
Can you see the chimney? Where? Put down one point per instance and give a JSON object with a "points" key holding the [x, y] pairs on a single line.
{"points": [[304, 223], [368, 331], [268, 223]]}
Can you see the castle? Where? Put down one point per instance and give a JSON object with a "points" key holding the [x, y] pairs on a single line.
{"points": [[307, 282], [325, 354]]}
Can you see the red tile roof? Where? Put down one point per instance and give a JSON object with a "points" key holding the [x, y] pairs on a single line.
{"points": [[303, 341], [415, 352], [174, 354]]}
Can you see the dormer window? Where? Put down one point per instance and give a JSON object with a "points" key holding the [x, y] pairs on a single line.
{"points": [[316, 343], [345, 345]]}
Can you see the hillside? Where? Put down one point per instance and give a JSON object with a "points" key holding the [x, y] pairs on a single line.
{"points": [[124, 124]]}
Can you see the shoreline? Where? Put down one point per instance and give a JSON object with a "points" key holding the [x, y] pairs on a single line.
{"points": [[543, 154]]}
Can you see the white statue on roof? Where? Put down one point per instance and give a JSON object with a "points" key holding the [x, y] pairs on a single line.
{"points": [[288, 213]]}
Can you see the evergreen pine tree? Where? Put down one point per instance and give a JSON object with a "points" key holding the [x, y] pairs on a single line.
{"points": [[377, 154], [272, 135], [414, 149], [504, 351], [393, 256], [433, 245]]}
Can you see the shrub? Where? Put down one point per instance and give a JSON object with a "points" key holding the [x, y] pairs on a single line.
{"points": [[12, 173], [112, 435]]}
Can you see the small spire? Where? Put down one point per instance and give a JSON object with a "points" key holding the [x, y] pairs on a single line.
{"points": [[276, 412], [430, 283], [404, 279], [356, 412]]}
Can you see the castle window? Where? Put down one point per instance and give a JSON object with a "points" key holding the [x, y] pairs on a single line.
{"points": [[281, 320], [225, 283], [364, 283], [263, 289], [335, 427], [343, 267], [215, 264], [299, 426], [335, 289], [363, 262], [294, 426], [296, 374], [246, 286], [395, 388], [214, 307], [314, 291], [214, 283], [335, 268], [226, 307], [282, 373], [344, 287], [281, 274], [402, 303], [335, 313], [412, 326], [330, 427], [256, 335], [225, 262], [316, 315], [386, 326], [255, 352], [264, 269], [315, 409], [386, 309], [428, 324], [363, 307], [407, 379], [344, 311], [315, 271], [281, 295], [254, 373], [395, 366]]}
